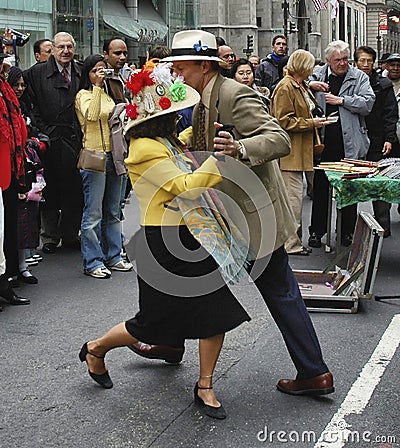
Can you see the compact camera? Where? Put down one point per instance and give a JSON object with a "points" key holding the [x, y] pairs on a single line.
{"points": [[109, 72], [20, 39]]}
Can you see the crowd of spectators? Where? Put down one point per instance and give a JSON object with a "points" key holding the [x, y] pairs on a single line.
{"points": [[57, 95]]}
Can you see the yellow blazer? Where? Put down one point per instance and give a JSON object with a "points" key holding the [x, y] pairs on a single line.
{"points": [[99, 105], [157, 180]]}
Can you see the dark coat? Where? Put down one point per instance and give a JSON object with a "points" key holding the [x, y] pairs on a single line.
{"points": [[381, 122], [53, 100], [267, 74], [53, 114]]}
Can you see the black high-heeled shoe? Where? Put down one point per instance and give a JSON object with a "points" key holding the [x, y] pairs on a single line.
{"points": [[104, 379], [211, 411]]}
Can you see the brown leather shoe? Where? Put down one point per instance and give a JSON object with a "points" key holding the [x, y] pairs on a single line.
{"points": [[168, 354], [318, 385]]}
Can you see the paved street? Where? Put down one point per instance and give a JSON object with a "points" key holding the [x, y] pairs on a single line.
{"points": [[47, 398]]}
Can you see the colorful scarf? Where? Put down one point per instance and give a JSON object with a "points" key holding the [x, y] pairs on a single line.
{"points": [[13, 128], [207, 220]]}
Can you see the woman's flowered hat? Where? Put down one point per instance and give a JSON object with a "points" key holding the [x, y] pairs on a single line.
{"points": [[156, 92]]}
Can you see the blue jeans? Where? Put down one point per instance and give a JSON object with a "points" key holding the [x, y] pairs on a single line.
{"points": [[101, 224]]}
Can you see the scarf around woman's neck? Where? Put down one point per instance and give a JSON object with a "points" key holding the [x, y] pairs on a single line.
{"points": [[12, 126], [206, 219]]}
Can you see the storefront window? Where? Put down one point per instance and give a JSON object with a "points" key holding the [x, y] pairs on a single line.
{"points": [[71, 17]]}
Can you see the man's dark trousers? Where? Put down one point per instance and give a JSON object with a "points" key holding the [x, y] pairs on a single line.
{"points": [[280, 291]]}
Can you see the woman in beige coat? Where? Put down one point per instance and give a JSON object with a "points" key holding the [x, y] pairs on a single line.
{"points": [[292, 104]]}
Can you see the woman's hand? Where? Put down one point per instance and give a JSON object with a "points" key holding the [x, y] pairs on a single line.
{"points": [[99, 77], [319, 122]]}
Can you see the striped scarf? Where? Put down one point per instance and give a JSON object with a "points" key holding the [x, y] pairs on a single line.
{"points": [[207, 220]]}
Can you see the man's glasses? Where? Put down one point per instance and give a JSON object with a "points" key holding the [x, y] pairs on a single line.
{"points": [[69, 47], [228, 56]]}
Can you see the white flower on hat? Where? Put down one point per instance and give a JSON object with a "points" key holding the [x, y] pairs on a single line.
{"points": [[162, 73]]}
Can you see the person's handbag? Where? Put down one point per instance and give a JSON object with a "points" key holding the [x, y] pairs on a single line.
{"points": [[92, 159]]}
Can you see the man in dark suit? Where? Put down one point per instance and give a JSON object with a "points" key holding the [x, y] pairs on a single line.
{"points": [[52, 89], [262, 199], [381, 123]]}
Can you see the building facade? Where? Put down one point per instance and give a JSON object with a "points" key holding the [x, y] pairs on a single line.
{"points": [[384, 36], [34, 17], [312, 30], [142, 23]]}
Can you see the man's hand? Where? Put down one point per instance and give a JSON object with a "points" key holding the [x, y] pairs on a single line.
{"points": [[319, 86], [9, 37], [225, 143], [333, 99], [387, 147]]}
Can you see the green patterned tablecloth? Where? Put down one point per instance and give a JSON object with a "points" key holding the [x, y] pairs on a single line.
{"points": [[352, 191]]}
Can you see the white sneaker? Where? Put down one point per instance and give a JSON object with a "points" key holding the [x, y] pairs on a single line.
{"points": [[100, 272], [31, 261], [106, 270], [121, 266], [37, 257]]}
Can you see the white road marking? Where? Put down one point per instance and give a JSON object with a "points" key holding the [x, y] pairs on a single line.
{"points": [[337, 431]]}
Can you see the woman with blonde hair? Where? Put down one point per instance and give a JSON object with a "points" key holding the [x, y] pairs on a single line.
{"points": [[292, 103]]}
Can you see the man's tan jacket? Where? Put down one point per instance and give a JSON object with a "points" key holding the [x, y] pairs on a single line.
{"points": [[255, 183]]}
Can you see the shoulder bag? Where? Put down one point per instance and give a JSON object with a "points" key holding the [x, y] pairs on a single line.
{"points": [[92, 159]]}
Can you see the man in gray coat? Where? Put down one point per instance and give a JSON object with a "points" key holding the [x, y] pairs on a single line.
{"points": [[346, 92], [260, 195]]}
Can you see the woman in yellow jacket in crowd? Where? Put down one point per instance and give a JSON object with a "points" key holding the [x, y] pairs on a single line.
{"points": [[182, 294], [101, 240]]}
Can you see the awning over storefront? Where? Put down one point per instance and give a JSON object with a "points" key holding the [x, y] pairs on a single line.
{"points": [[149, 28]]}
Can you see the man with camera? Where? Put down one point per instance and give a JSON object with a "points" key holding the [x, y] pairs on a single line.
{"points": [[11, 40], [52, 87], [115, 53]]}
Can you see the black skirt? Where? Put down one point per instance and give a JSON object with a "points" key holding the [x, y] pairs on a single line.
{"points": [[181, 292]]}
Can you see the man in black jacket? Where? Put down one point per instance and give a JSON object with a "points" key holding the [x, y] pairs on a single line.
{"points": [[381, 123], [52, 88], [267, 72]]}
